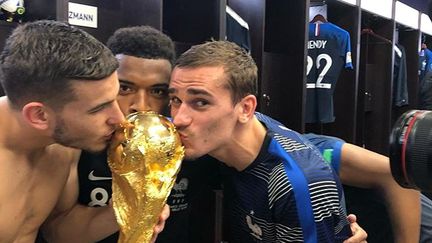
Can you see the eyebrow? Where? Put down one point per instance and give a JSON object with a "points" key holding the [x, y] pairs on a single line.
{"points": [[164, 85], [161, 85], [100, 106], [192, 91], [126, 82]]}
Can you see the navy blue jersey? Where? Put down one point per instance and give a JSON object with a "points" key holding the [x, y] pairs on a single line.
{"points": [[367, 205], [261, 201], [329, 50], [330, 147], [425, 77], [425, 63], [94, 178]]}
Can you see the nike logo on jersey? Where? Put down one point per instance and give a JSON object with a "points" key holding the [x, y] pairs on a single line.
{"points": [[92, 177]]}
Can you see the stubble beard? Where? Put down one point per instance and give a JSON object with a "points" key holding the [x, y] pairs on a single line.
{"points": [[62, 137]]}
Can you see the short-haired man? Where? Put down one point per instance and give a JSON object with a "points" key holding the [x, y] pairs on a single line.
{"points": [[50, 72], [279, 189]]}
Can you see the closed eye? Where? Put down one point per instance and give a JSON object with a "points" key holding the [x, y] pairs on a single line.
{"points": [[99, 107]]}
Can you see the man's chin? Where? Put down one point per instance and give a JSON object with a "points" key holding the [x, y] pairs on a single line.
{"points": [[192, 156], [98, 149], [93, 149]]}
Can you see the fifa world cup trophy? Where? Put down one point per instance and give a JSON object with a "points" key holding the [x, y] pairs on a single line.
{"points": [[144, 157]]}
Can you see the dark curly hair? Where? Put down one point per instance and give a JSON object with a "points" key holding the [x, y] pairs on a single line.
{"points": [[142, 41]]}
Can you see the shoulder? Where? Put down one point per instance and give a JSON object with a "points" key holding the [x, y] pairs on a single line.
{"points": [[68, 157], [63, 154], [336, 29], [323, 141]]}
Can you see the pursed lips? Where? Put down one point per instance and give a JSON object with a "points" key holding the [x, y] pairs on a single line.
{"points": [[183, 137], [109, 136]]}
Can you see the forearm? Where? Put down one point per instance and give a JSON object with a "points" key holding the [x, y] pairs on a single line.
{"points": [[81, 224], [404, 209], [366, 169]]}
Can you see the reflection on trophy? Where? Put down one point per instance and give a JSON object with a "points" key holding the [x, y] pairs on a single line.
{"points": [[144, 157]]}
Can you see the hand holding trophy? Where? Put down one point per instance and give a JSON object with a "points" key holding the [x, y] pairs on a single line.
{"points": [[145, 156]]}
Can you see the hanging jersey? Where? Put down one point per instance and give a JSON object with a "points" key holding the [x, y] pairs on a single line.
{"points": [[329, 50], [261, 199], [425, 63], [400, 82]]}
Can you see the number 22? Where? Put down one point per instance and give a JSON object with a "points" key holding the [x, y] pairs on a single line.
{"points": [[328, 63]]}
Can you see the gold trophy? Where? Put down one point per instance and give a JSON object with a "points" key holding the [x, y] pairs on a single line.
{"points": [[144, 156]]}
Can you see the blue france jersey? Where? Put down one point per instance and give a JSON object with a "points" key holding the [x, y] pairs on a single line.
{"points": [[425, 66], [329, 50], [261, 199], [327, 144]]}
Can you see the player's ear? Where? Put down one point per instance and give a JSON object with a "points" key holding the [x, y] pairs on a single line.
{"points": [[36, 115], [246, 108]]}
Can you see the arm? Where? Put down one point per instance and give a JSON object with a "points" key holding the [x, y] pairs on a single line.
{"points": [[363, 168], [72, 222]]}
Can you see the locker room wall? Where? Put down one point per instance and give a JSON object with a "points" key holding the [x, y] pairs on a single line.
{"points": [[284, 60], [194, 21], [375, 83]]}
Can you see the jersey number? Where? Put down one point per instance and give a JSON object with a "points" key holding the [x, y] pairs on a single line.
{"points": [[328, 64], [99, 197]]}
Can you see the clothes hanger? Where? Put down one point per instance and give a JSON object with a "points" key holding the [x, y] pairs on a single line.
{"points": [[317, 3], [319, 18], [368, 31]]}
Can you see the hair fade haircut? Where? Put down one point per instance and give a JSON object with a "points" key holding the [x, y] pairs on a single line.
{"points": [[239, 66], [143, 42], [41, 59]]}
